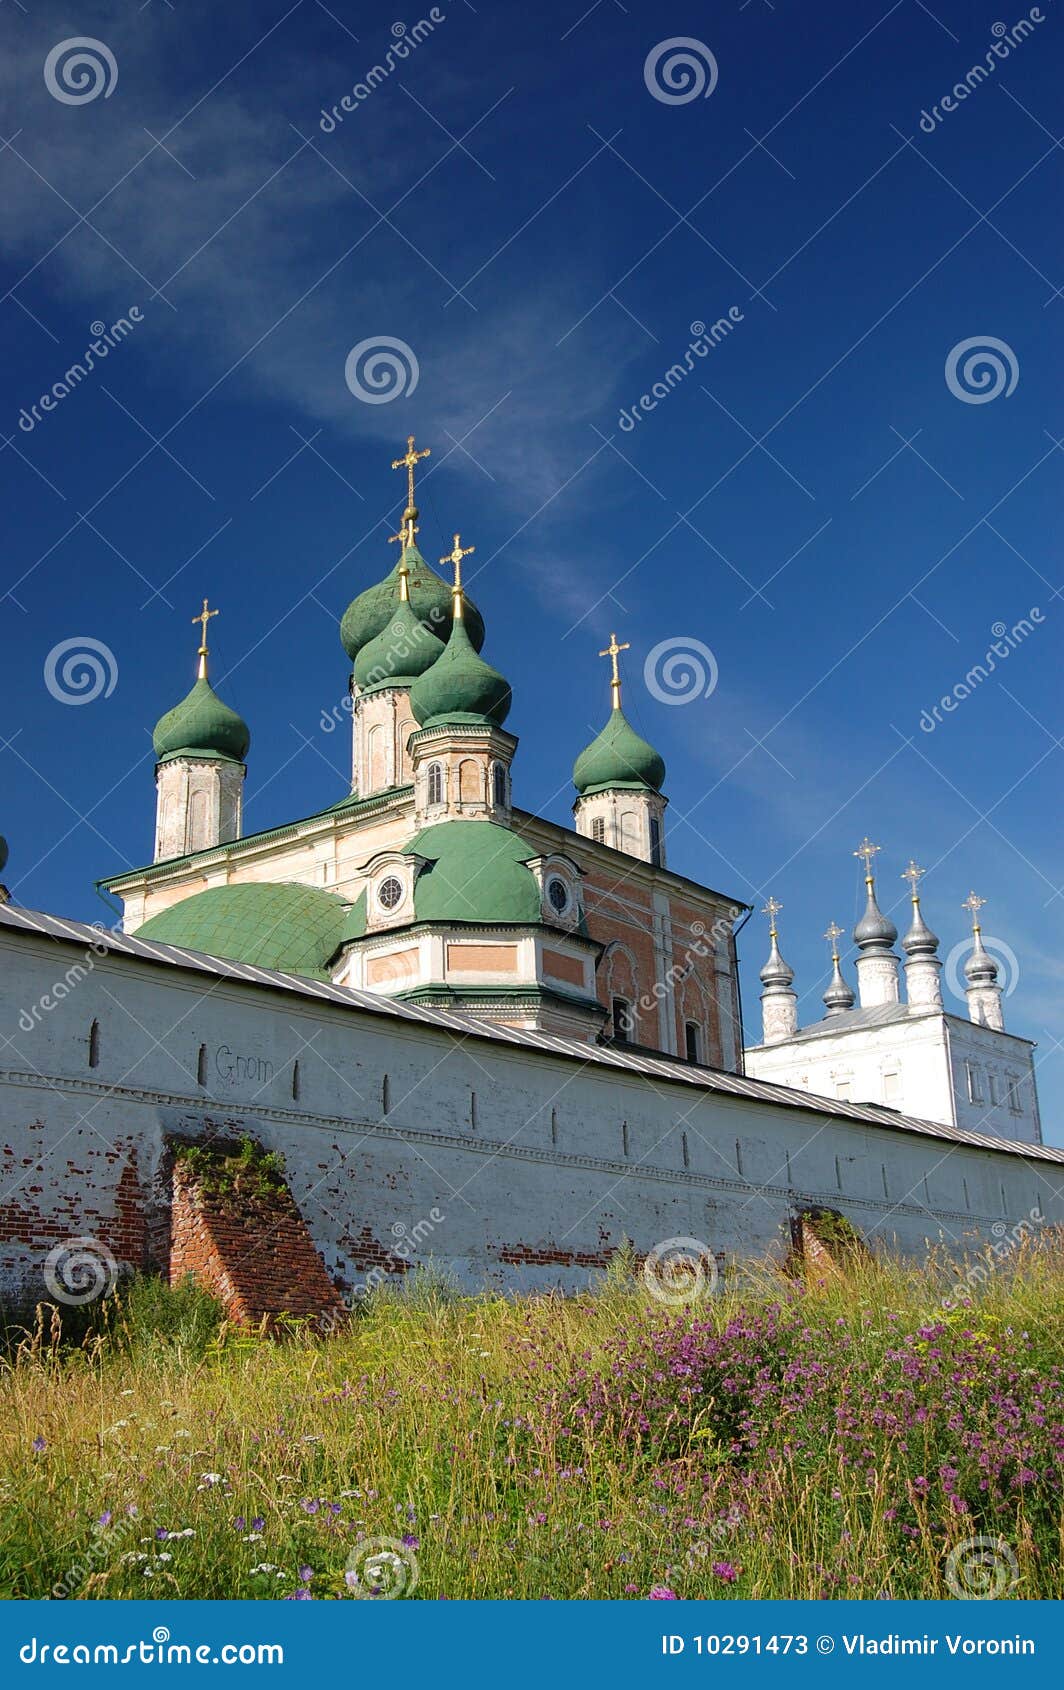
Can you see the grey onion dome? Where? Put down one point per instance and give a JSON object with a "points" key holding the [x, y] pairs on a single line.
{"points": [[980, 968], [919, 941], [874, 932], [839, 995], [776, 972]]}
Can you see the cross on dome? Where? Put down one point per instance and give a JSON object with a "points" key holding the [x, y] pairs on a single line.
{"points": [[613, 651], [771, 909], [867, 851], [203, 618], [973, 905], [834, 934], [455, 556], [913, 874], [407, 462]]}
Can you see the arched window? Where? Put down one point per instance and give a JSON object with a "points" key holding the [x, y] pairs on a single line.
{"points": [[598, 830], [498, 783], [435, 784]]}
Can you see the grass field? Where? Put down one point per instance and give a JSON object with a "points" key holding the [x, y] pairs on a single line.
{"points": [[850, 1438]]}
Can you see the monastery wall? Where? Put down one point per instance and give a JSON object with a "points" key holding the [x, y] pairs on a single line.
{"points": [[405, 1142]]}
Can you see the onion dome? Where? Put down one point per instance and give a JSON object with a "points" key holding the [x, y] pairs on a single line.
{"points": [[839, 996], [618, 757], [776, 973], [460, 686], [201, 725], [402, 650], [370, 613], [980, 968], [919, 941], [873, 933]]}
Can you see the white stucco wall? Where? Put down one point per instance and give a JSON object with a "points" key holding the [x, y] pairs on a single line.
{"points": [[537, 1164]]}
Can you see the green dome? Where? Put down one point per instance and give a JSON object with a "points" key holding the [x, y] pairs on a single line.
{"points": [[403, 649], [294, 929], [460, 687], [366, 616], [618, 757], [477, 872], [201, 725]]}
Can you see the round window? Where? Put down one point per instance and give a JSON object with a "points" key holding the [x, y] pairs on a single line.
{"points": [[390, 893], [558, 893]]}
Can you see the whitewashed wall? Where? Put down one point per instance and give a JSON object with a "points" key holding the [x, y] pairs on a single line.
{"points": [[505, 1166]]}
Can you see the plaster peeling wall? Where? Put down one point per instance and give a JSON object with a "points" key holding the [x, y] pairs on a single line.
{"points": [[403, 1142]]}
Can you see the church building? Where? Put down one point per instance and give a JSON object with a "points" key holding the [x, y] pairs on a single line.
{"points": [[427, 883], [471, 1037]]}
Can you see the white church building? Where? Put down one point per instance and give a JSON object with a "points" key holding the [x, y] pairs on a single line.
{"points": [[878, 1046]]}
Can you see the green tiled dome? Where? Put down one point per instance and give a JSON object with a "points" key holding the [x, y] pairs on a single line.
{"points": [[461, 687], [295, 929], [201, 725], [430, 595], [618, 757], [477, 872], [402, 650]]}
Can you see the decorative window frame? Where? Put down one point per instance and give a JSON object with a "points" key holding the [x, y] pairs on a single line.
{"points": [[390, 865], [557, 866]]}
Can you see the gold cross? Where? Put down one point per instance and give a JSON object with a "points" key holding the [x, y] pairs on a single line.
{"points": [[913, 874], [612, 651], [867, 850], [834, 933], [771, 909], [455, 556], [408, 463], [974, 905], [405, 534], [203, 618]]}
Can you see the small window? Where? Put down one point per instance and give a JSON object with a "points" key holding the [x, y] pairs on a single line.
{"points": [[655, 841], [992, 1087], [692, 1033], [622, 1020], [498, 783], [295, 1081], [1015, 1100], [558, 894], [972, 1074], [844, 1090], [94, 1045], [390, 892], [598, 830], [892, 1087], [435, 784], [201, 1066]]}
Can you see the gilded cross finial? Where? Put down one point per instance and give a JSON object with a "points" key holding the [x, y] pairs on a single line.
{"points": [[203, 618], [913, 874], [866, 850], [455, 556], [613, 651], [771, 909], [834, 934], [973, 905], [407, 462], [406, 533]]}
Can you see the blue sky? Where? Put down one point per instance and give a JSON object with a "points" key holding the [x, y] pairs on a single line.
{"points": [[813, 502]]}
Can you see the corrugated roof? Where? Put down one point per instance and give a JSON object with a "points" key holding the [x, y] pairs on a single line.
{"points": [[553, 1044]]}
